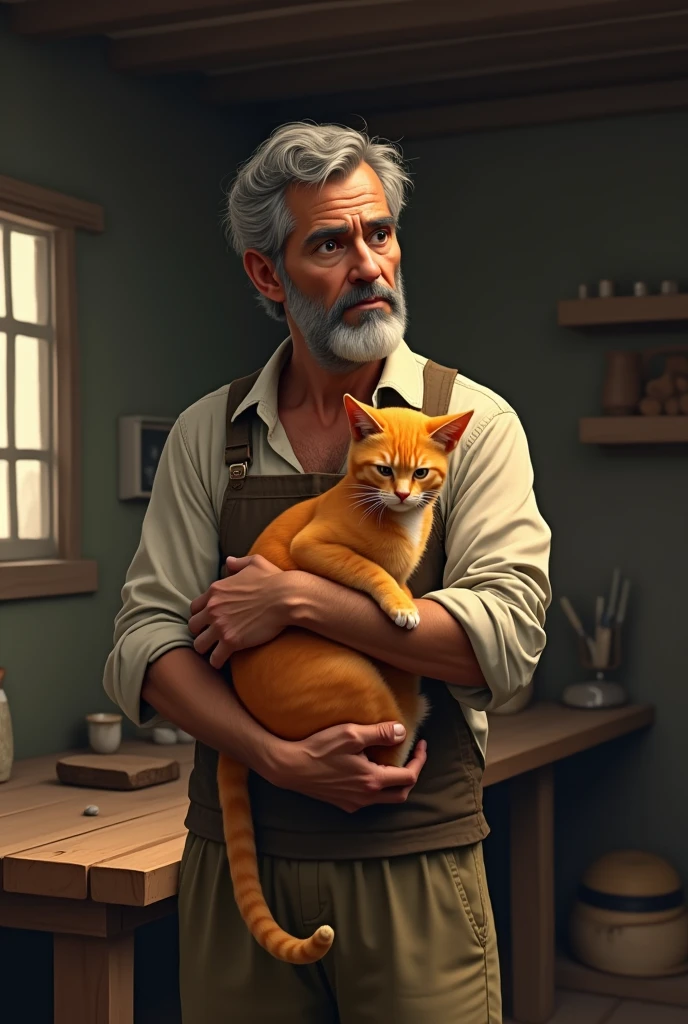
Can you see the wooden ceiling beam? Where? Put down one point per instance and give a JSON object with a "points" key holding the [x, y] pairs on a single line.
{"points": [[356, 107], [92, 17], [362, 25], [520, 111], [95, 17], [405, 68]]}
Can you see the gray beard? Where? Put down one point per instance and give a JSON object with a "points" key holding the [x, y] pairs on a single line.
{"points": [[337, 346]]}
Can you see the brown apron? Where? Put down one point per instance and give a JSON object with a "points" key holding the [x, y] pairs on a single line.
{"points": [[444, 808]]}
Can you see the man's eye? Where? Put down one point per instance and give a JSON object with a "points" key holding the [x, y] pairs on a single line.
{"points": [[420, 473], [330, 242], [381, 236], [384, 470]]}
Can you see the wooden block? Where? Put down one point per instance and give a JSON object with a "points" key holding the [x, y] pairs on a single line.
{"points": [[116, 771], [62, 868], [139, 878]]}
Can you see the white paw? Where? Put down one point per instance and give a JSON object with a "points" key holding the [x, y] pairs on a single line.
{"points": [[407, 620]]}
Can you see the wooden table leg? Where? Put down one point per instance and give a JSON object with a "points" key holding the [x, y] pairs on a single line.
{"points": [[531, 810], [93, 979]]}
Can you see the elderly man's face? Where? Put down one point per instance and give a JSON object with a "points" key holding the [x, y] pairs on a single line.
{"points": [[343, 282]]}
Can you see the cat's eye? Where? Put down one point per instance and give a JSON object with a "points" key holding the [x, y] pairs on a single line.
{"points": [[420, 473], [384, 470]]}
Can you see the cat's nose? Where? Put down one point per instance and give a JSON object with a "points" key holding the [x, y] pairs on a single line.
{"points": [[402, 495]]}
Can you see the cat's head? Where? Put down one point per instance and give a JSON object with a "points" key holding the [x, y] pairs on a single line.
{"points": [[399, 457]]}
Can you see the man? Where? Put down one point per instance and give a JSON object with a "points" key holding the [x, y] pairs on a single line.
{"points": [[391, 857]]}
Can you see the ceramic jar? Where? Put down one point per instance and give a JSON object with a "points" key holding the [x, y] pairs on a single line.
{"points": [[104, 732], [631, 917]]}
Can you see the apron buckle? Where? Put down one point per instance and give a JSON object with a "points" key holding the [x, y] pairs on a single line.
{"points": [[237, 474]]}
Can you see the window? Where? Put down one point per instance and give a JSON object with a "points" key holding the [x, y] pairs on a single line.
{"points": [[40, 495], [27, 440]]}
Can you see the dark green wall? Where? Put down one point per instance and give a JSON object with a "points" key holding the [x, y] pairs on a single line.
{"points": [[164, 313], [499, 228]]}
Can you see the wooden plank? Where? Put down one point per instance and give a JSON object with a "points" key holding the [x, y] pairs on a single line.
{"points": [[633, 430], [72, 917], [93, 979], [531, 812], [133, 917], [49, 206], [83, 17], [49, 578], [586, 104], [139, 878], [546, 732], [62, 868], [447, 57], [475, 88], [622, 309], [302, 35], [63, 821], [575, 977]]}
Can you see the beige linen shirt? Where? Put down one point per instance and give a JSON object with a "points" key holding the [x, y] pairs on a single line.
{"points": [[496, 581]]}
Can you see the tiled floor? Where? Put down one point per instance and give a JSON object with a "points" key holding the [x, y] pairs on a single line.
{"points": [[579, 1008]]}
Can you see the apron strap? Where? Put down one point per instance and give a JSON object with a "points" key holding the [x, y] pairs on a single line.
{"points": [[238, 433], [438, 383]]}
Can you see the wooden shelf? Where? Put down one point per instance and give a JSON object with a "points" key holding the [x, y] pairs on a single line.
{"points": [[622, 309], [672, 991], [634, 430]]}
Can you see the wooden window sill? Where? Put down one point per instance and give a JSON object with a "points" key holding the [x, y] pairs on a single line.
{"points": [[47, 578]]}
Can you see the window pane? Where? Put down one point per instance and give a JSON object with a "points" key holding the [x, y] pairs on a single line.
{"points": [[31, 394], [4, 500], [3, 301], [29, 277], [33, 500], [3, 391]]}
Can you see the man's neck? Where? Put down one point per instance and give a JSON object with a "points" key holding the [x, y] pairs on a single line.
{"points": [[305, 387]]}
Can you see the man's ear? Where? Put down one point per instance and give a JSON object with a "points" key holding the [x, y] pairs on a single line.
{"points": [[361, 419]]}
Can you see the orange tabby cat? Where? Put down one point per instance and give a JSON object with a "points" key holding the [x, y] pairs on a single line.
{"points": [[368, 532]]}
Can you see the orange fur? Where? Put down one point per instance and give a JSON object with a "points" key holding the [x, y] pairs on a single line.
{"points": [[300, 683]]}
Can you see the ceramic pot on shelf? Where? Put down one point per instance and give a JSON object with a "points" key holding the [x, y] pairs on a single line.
{"points": [[622, 388]]}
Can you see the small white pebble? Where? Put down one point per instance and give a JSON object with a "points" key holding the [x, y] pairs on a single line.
{"points": [[91, 809]]}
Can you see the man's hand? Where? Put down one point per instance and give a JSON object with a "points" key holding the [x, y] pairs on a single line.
{"points": [[330, 765], [243, 610]]}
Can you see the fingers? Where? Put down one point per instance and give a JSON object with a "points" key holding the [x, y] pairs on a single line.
{"points": [[355, 738], [199, 603], [205, 640], [220, 655]]}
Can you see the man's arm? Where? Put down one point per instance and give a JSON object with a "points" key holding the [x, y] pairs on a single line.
{"points": [[438, 647]]}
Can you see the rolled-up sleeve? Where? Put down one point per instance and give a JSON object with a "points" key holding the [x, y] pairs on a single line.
{"points": [[496, 580], [176, 560]]}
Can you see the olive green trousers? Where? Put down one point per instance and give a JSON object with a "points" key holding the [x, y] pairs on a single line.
{"points": [[414, 941]]}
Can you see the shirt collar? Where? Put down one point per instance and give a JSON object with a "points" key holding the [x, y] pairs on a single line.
{"points": [[401, 372]]}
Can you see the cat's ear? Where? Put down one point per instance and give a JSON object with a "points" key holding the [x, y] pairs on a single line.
{"points": [[362, 422], [447, 430]]}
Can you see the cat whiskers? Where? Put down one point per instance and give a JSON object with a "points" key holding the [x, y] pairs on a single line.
{"points": [[367, 497]]}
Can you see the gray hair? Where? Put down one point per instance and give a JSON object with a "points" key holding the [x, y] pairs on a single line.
{"points": [[257, 216]]}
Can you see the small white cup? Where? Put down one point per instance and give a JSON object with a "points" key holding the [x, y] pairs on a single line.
{"points": [[104, 732], [669, 287], [606, 289]]}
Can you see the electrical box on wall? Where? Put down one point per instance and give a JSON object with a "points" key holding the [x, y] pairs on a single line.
{"points": [[141, 441]]}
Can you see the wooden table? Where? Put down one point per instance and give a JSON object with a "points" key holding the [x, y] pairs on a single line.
{"points": [[93, 880]]}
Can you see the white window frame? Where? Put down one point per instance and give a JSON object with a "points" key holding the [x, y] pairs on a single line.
{"points": [[16, 548], [36, 568]]}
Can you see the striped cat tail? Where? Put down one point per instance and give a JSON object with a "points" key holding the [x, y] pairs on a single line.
{"points": [[232, 780]]}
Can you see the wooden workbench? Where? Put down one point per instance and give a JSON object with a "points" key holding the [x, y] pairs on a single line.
{"points": [[93, 880]]}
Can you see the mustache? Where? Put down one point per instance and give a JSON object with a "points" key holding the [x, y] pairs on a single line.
{"points": [[361, 293]]}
